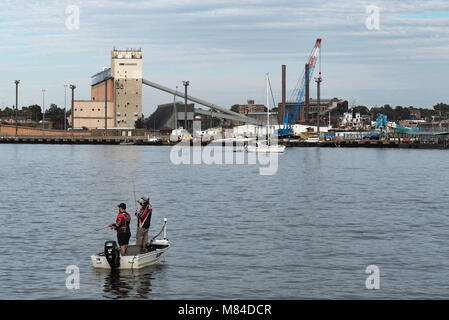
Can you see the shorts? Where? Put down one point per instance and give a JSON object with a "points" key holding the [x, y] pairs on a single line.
{"points": [[123, 238]]}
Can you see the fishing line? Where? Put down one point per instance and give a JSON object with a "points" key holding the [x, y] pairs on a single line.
{"points": [[101, 228], [135, 200]]}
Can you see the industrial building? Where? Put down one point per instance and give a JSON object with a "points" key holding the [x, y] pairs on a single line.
{"points": [[251, 107], [116, 94], [336, 107], [171, 116]]}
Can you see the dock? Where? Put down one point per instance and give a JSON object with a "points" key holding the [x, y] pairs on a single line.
{"points": [[143, 140], [368, 144], [53, 139]]}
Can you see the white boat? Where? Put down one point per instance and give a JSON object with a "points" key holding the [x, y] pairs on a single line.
{"points": [[312, 140], [233, 141], [153, 139], [110, 258], [179, 134], [266, 146]]}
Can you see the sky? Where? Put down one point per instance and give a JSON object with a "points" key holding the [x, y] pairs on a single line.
{"points": [[399, 56]]}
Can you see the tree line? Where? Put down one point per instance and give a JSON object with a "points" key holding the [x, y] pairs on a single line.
{"points": [[33, 113], [440, 110]]}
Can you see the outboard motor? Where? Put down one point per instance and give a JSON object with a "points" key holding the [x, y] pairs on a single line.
{"points": [[112, 253]]}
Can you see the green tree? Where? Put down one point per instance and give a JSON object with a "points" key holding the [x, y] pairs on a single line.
{"points": [[56, 116], [361, 109], [441, 107], [401, 113], [33, 113], [235, 108], [7, 113], [140, 122]]}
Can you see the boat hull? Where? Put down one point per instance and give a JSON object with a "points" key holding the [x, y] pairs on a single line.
{"points": [[266, 149], [137, 261]]}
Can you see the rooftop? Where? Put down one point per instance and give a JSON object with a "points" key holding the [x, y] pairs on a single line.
{"points": [[127, 54], [101, 76]]}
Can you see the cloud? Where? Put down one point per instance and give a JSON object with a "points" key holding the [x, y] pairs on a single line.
{"points": [[230, 43]]}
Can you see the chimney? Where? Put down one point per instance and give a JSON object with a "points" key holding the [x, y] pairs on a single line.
{"points": [[282, 108]]}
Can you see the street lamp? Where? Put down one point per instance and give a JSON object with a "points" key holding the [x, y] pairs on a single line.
{"points": [[175, 110], [106, 107], [43, 109], [65, 107], [73, 94], [17, 101], [318, 84], [116, 86], [186, 84]]}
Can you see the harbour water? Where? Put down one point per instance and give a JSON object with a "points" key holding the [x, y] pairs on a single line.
{"points": [[309, 231]]}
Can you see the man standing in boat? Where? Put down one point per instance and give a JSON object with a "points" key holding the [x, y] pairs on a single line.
{"points": [[143, 222], [122, 227]]}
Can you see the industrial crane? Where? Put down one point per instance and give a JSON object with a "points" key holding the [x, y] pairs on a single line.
{"points": [[381, 124], [381, 121], [291, 115]]}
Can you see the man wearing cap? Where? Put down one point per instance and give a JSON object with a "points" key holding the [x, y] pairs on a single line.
{"points": [[143, 222], [122, 227]]}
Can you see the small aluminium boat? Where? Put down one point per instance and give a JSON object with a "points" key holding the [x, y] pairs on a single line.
{"points": [[110, 258]]}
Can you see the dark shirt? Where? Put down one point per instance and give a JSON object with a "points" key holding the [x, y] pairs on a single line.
{"points": [[122, 222], [144, 216]]}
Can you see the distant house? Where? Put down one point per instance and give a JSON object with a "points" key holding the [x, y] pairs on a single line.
{"points": [[251, 107], [415, 114]]}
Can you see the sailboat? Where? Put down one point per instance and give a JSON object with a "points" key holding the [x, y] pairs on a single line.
{"points": [[266, 146]]}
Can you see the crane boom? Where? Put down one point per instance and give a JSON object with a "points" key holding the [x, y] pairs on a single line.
{"points": [[291, 115]]}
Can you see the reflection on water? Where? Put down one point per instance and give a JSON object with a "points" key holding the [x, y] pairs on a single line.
{"points": [[125, 284]]}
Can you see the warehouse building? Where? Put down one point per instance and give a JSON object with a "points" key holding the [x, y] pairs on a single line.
{"points": [[171, 116]]}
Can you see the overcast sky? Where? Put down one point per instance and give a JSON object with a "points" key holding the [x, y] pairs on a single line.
{"points": [[225, 47]]}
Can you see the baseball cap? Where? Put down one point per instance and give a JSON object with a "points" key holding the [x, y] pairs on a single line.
{"points": [[122, 205]]}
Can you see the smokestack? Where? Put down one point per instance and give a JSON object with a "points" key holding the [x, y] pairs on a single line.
{"points": [[282, 108]]}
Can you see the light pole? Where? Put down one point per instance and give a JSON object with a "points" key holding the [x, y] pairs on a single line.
{"points": [[65, 107], [43, 109], [105, 107], [175, 111], [17, 101], [318, 83], [186, 84], [116, 87], [73, 94]]}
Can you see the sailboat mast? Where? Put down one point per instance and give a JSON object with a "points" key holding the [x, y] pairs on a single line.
{"points": [[268, 109]]}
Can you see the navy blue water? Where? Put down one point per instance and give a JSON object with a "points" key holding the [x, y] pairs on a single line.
{"points": [[308, 231]]}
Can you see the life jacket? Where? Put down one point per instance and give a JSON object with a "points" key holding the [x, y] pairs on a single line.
{"points": [[122, 223], [144, 216]]}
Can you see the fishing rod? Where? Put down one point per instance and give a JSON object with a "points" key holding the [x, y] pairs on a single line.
{"points": [[102, 228], [135, 200], [135, 206]]}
